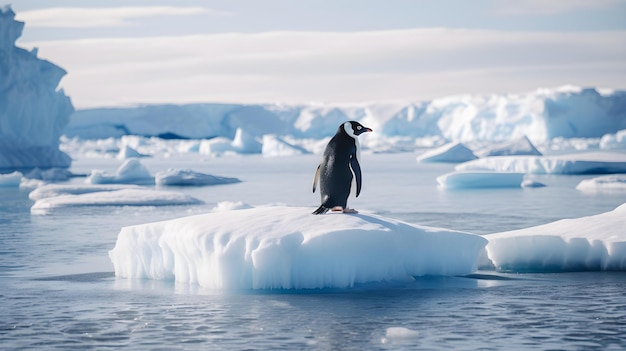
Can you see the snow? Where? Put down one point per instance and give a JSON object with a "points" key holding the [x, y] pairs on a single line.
{"points": [[480, 179], [590, 243], [122, 197], [33, 113], [614, 141], [451, 152], [278, 247], [578, 163], [608, 183], [54, 190], [10, 180], [188, 177], [274, 146]]}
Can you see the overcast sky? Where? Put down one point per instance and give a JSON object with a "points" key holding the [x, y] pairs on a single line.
{"points": [[120, 53]]}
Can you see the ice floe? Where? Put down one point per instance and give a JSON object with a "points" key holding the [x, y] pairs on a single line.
{"points": [[480, 179], [593, 243], [607, 183], [181, 177], [451, 152], [288, 248]]}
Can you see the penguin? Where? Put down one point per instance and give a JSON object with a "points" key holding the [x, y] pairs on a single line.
{"points": [[339, 162]]}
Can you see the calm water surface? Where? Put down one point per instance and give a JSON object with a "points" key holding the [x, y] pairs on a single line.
{"points": [[58, 291]]}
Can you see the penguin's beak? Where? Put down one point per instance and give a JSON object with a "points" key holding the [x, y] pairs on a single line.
{"points": [[368, 129]]}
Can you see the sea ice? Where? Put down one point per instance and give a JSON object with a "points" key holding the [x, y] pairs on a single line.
{"points": [[288, 248], [579, 163], [521, 146], [275, 146], [123, 197], [480, 179], [53, 190], [593, 243], [188, 177]]}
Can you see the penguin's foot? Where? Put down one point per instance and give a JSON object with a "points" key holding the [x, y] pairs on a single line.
{"points": [[350, 210], [337, 209]]}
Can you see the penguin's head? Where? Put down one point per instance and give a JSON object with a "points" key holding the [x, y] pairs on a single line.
{"points": [[354, 129]]}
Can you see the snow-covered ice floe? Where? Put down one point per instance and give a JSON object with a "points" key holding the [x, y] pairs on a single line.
{"points": [[613, 182], [593, 243], [122, 197], [54, 190], [580, 163], [132, 171], [288, 248], [480, 179]]}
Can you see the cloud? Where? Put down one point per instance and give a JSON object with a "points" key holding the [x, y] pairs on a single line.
{"points": [[78, 17], [548, 7], [412, 64]]}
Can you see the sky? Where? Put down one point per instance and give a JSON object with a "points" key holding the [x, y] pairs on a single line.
{"points": [[124, 53]]}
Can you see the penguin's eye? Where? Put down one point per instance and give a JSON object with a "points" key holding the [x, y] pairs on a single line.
{"points": [[358, 127]]}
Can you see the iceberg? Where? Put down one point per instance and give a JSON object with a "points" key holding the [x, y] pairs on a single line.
{"points": [[274, 146], [288, 248], [473, 180], [10, 180], [593, 243], [541, 115], [132, 171], [451, 152], [579, 163], [522, 146], [33, 113], [54, 190], [608, 183]]}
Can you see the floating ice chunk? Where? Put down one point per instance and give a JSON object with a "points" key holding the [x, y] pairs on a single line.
{"points": [[231, 206], [217, 145], [246, 143], [130, 172], [521, 146], [528, 183], [581, 163], [10, 180], [124, 197], [189, 177], [275, 146], [478, 179], [593, 243], [53, 190], [614, 141], [613, 182], [401, 333], [288, 248], [451, 152]]}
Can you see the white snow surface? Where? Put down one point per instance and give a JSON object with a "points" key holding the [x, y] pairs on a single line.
{"points": [[480, 179], [593, 243], [54, 190], [451, 152], [277, 247], [33, 113], [579, 163]]}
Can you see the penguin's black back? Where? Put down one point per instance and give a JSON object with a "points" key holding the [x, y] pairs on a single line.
{"points": [[335, 174]]}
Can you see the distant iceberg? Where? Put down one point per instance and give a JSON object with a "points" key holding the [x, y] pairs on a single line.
{"points": [[593, 243], [181, 177], [579, 163], [33, 113], [288, 248], [608, 183], [539, 116], [451, 152], [480, 180]]}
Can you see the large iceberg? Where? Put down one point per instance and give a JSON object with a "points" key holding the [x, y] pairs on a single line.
{"points": [[288, 248], [593, 243], [567, 112], [33, 113]]}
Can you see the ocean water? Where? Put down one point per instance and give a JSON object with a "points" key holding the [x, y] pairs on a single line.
{"points": [[58, 290]]}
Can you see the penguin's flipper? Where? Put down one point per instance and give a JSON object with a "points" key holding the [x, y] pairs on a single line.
{"points": [[316, 177], [356, 169], [321, 210]]}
